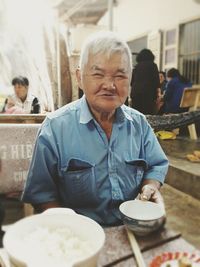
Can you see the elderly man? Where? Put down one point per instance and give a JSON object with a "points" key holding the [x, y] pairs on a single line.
{"points": [[95, 153]]}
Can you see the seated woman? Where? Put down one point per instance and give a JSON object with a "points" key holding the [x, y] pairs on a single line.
{"points": [[22, 101], [173, 94], [11, 108]]}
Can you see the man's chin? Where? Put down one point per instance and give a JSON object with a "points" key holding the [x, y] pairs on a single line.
{"points": [[109, 108]]}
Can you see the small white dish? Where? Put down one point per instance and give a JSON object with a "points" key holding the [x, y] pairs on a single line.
{"points": [[142, 217]]}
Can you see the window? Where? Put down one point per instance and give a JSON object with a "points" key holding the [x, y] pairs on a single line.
{"points": [[136, 46], [170, 56], [170, 44], [189, 55], [171, 37], [154, 44]]}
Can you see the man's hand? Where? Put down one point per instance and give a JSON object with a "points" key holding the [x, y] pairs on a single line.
{"points": [[150, 191]]}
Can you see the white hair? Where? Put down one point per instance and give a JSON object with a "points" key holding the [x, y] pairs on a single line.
{"points": [[104, 42]]}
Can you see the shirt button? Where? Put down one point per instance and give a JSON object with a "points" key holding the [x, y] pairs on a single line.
{"points": [[115, 195]]}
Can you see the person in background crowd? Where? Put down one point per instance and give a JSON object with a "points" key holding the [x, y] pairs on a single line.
{"points": [[173, 94], [161, 92], [163, 82], [95, 153], [11, 108], [22, 100], [145, 83]]}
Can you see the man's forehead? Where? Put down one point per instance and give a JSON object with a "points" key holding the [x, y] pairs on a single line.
{"points": [[100, 68], [103, 61]]}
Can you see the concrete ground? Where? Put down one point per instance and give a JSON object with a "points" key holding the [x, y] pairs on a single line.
{"points": [[183, 214], [183, 205], [183, 174]]}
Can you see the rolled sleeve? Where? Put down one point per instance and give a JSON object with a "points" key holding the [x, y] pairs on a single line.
{"points": [[41, 186]]}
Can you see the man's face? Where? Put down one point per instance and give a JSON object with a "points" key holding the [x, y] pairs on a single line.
{"points": [[105, 81], [21, 91]]}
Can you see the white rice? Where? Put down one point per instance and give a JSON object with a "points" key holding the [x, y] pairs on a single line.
{"points": [[56, 246]]}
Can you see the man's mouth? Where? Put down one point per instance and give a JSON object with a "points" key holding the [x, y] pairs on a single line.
{"points": [[107, 95]]}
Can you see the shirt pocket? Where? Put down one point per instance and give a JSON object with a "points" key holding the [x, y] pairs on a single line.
{"points": [[134, 172], [79, 183]]}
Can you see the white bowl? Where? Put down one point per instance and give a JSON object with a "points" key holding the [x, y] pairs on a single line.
{"points": [[142, 217], [21, 254], [59, 211]]}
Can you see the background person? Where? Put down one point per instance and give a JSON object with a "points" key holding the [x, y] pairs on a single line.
{"points": [[163, 82], [173, 94], [22, 99], [161, 93], [95, 153], [11, 108], [145, 83]]}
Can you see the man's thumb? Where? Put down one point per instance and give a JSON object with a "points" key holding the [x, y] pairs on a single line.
{"points": [[146, 193]]}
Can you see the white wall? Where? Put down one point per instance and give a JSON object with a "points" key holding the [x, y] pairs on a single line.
{"points": [[79, 34], [134, 18]]}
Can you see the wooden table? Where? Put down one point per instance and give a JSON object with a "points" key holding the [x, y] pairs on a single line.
{"points": [[117, 251], [22, 118], [191, 99]]}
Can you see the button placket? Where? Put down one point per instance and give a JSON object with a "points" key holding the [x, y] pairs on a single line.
{"points": [[113, 171]]}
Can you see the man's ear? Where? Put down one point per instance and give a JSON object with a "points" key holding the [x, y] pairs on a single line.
{"points": [[78, 78]]}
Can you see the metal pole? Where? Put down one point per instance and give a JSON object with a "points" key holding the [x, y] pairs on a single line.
{"points": [[110, 14]]}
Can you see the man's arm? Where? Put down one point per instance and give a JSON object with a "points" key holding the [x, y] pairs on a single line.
{"points": [[41, 184], [154, 175]]}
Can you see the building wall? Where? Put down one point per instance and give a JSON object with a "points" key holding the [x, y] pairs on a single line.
{"points": [[134, 18], [78, 35]]}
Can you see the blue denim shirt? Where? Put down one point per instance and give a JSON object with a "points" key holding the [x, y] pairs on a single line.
{"points": [[74, 162]]}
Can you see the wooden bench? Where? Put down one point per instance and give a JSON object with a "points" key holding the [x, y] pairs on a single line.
{"points": [[16, 147], [22, 118], [191, 99]]}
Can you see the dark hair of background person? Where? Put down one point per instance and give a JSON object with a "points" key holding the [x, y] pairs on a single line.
{"points": [[145, 55], [20, 80], [172, 73], [163, 73]]}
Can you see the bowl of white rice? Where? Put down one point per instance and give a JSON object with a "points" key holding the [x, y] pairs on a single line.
{"points": [[54, 240]]}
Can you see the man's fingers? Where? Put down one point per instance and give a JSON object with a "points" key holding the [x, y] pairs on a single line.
{"points": [[146, 193], [150, 193]]}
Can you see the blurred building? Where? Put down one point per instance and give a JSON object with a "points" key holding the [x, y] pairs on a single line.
{"points": [[46, 47], [171, 29]]}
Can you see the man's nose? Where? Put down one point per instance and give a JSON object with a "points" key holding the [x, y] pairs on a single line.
{"points": [[109, 82]]}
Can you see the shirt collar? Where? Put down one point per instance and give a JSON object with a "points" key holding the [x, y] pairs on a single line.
{"points": [[29, 97], [86, 116], [121, 115]]}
